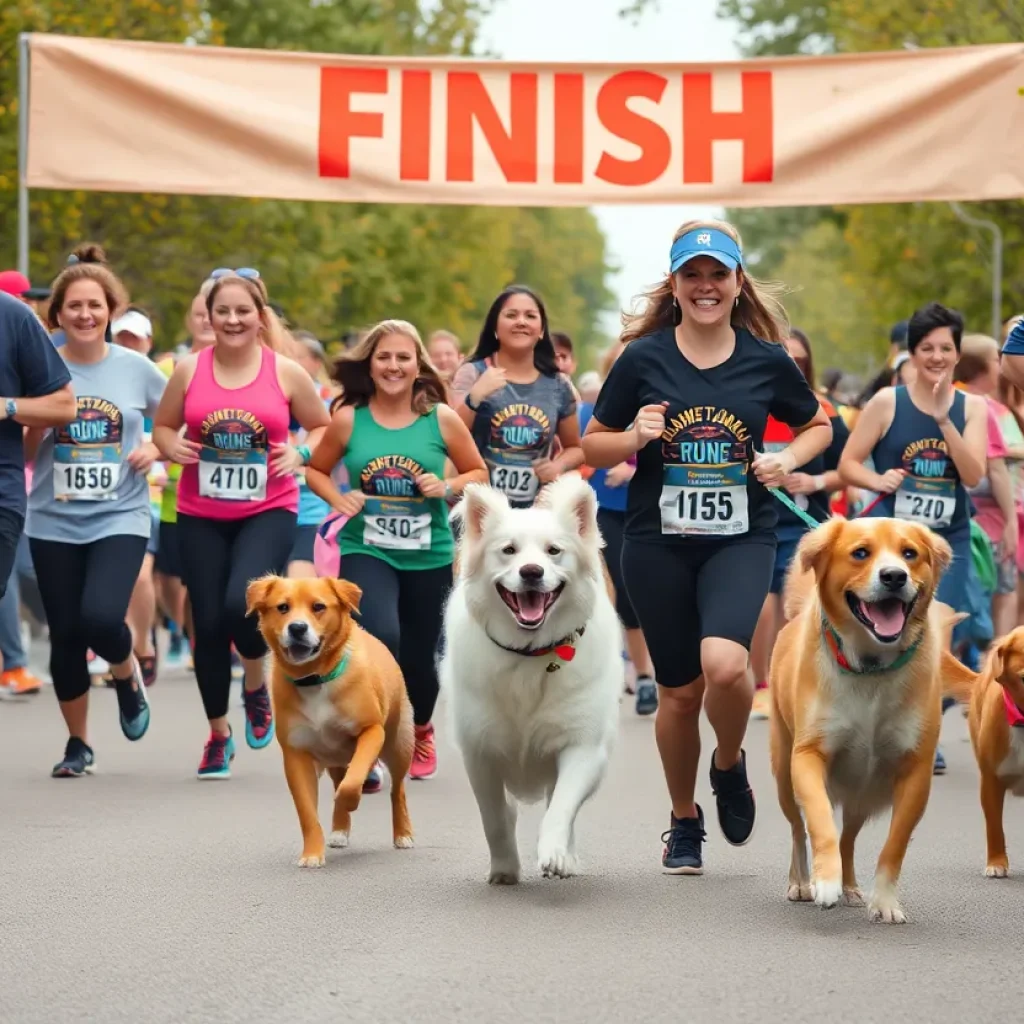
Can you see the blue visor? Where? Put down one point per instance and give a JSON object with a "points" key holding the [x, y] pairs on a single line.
{"points": [[706, 242]]}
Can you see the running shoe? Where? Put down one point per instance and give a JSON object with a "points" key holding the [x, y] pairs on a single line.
{"points": [[148, 663], [735, 800], [19, 682], [682, 853], [939, 767], [218, 754], [132, 703], [424, 754], [374, 780], [646, 696], [761, 708], [78, 760], [259, 718], [175, 648]]}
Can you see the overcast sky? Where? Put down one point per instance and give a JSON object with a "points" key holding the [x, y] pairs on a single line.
{"points": [[579, 30]]}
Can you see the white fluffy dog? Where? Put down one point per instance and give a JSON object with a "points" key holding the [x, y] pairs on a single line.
{"points": [[532, 665]]}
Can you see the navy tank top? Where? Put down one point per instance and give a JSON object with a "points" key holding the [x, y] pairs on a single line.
{"points": [[932, 493]]}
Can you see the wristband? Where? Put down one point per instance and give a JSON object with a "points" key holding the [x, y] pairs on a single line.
{"points": [[819, 482], [448, 492], [304, 453], [469, 404]]}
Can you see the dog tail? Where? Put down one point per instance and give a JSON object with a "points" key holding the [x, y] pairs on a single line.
{"points": [[957, 679]]}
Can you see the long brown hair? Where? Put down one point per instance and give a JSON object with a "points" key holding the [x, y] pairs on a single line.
{"points": [[759, 309], [87, 263], [272, 332], [351, 370]]}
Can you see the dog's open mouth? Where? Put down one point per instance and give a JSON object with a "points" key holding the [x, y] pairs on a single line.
{"points": [[300, 651], [886, 619], [530, 607]]}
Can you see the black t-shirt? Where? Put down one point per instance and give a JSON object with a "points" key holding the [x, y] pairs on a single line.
{"points": [[696, 484], [30, 367]]}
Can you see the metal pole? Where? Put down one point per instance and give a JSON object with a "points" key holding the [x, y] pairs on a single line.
{"points": [[23, 239], [997, 263]]}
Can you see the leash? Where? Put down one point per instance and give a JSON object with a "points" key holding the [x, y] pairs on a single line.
{"points": [[809, 520]]}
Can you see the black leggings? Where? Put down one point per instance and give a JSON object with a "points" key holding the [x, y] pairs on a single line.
{"points": [[404, 611], [219, 558], [611, 524], [684, 593], [10, 533], [85, 590]]}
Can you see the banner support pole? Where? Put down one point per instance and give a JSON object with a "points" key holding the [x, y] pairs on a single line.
{"points": [[23, 234], [997, 263]]}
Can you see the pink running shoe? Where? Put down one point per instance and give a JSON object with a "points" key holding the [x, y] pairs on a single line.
{"points": [[424, 754]]}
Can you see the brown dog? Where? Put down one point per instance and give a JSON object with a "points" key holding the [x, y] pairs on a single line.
{"points": [[996, 722], [339, 703], [856, 682]]}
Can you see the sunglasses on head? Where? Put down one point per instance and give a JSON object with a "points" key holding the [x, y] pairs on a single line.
{"points": [[246, 272]]}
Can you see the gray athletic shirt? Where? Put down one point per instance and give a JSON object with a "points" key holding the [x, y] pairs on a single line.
{"points": [[98, 494]]}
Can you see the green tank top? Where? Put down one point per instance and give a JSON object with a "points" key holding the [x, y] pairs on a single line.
{"points": [[397, 524]]}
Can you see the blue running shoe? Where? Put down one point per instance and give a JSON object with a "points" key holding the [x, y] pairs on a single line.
{"points": [[78, 760], [218, 754], [259, 718], [374, 781], [646, 696], [682, 853], [133, 704], [939, 768]]}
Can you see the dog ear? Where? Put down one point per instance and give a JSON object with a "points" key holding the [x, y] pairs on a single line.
{"points": [[258, 592], [348, 594], [479, 503], [941, 552], [570, 495], [814, 548]]}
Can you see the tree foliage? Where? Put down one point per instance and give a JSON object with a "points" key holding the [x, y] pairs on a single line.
{"points": [[333, 267]]}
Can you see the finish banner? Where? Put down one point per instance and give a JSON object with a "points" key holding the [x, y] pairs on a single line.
{"points": [[122, 116]]}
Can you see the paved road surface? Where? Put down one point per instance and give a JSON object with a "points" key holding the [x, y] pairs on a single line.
{"points": [[141, 895]]}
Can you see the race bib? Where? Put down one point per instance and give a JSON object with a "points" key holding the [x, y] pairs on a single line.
{"points": [[704, 501], [233, 476], [514, 477], [928, 502], [86, 475], [400, 525]]}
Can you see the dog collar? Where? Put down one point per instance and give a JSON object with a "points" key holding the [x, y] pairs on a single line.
{"points": [[835, 647], [335, 673], [564, 650], [1014, 715]]}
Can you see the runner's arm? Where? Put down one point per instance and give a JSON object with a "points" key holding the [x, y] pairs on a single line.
{"points": [[306, 404], [871, 424], [52, 410], [328, 453], [604, 447], [170, 414], [465, 377], [571, 455], [462, 451], [969, 450]]}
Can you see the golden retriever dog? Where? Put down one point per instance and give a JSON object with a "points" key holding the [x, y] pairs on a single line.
{"points": [[856, 682], [339, 703], [996, 722]]}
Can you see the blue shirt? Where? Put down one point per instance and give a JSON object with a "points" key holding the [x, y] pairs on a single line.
{"points": [[611, 498], [1015, 342]]}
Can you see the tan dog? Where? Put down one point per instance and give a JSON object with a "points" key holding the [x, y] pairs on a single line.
{"points": [[339, 703], [996, 722], [856, 683]]}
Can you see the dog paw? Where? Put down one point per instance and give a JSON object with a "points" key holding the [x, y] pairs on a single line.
{"points": [[338, 840], [799, 893], [556, 862], [404, 842], [885, 908], [997, 871], [827, 892], [348, 797], [853, 898], [499, 876], [311, 860]]}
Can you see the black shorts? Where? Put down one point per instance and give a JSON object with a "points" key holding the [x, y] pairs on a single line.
{"points": [[611, 524], [168, 557], [302, 546], [683, 594]]}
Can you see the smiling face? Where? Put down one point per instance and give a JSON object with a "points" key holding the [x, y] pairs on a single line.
{"points": [[706, 290], [235, 317], [935, 356], [394, 365], [520, 325], [445, 355], [876, 577], [199, 326], [84, 314]]}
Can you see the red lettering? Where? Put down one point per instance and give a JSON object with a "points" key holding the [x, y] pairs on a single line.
{"points": [[415, 144], [615, 115], [753, 126], [515, 149], [339, 124], [568, 129]]}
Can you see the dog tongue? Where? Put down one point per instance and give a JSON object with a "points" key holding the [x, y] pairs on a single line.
{"points": [[531, 606], [886, 616]]}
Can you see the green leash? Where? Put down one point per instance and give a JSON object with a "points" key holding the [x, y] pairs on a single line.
{"points": [[795, 508]]}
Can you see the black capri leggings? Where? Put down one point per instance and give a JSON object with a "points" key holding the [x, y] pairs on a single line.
{"points": [[611, 524], [219, 558], [405, 612], [683, 594], [85, 590]]}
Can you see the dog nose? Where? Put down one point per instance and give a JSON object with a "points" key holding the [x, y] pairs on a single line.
{"points": [[893, 579], [298, 630], [531, 573]]}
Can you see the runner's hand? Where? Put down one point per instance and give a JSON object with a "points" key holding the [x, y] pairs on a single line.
{"points": [[491, 380], [430, 486], [350, 504], [799, 483], [649, 424], [943, 394], [1010, 539], [620, 475], [285, 459], [184, 452], [890, 481], [142, 459], [772, 469], [546, 470]]}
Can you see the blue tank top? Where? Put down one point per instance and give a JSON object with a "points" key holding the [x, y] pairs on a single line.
{"points": [[932, 493]]}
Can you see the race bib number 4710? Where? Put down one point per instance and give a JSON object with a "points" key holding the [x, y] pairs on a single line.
{"points": [[699, 501], [232, 479]]}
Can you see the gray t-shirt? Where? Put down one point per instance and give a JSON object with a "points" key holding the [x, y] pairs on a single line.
{"points": [[516, 427], [82, 488]]}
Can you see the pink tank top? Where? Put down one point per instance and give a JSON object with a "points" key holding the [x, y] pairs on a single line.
{"points": [[236, 427]]}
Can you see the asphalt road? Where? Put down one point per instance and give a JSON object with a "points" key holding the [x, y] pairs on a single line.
{"points": [[141, 895]]}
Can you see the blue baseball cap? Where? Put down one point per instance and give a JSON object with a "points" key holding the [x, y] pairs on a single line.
{"points": [[705, 242]]}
